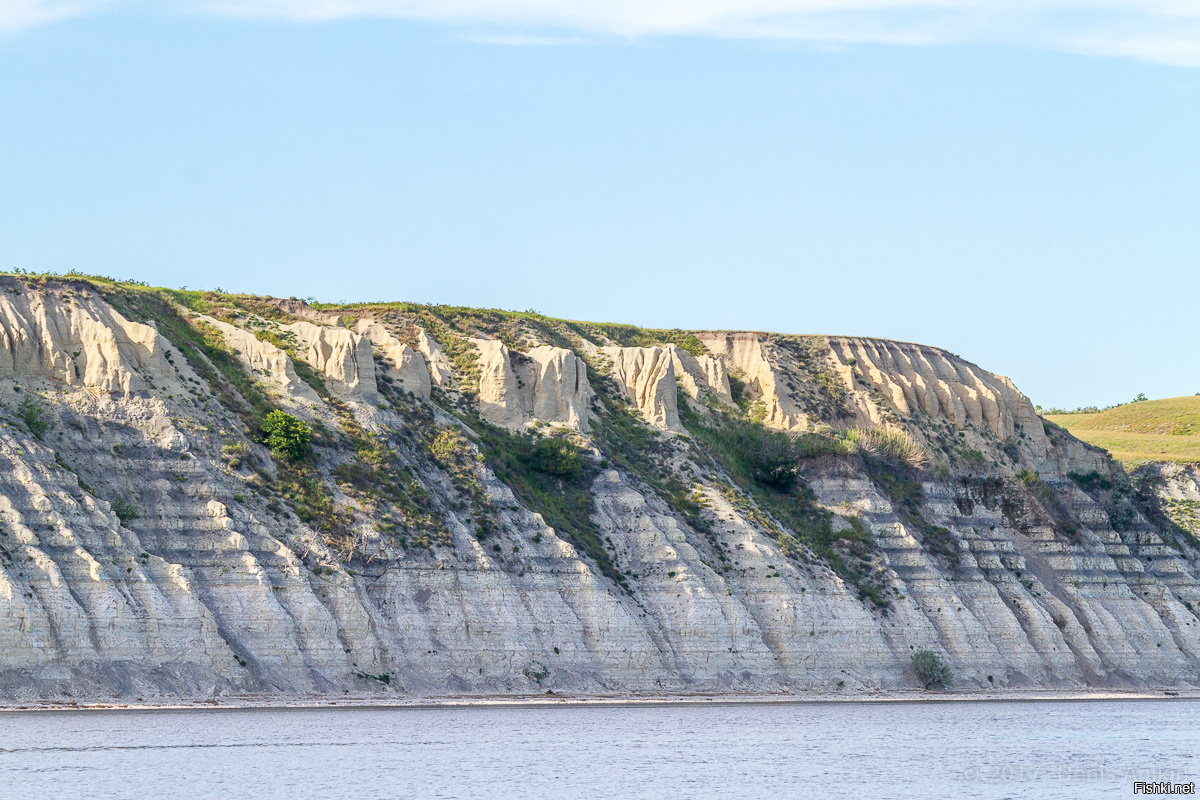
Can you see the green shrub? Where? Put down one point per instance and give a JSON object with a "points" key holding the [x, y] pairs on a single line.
{"points": [[765, 464], [125, 509], [446, 447], [565, 505], [1090, 481], [558, 456], [1049, 499], [931, 671], [233, 454], [34, 416], [286, 436], [768, 457]]}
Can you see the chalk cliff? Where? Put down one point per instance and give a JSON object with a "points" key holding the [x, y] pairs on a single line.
{"points": [[512, 504]]}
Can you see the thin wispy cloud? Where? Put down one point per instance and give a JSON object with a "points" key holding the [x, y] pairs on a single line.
{"points": [[17, 15], [1165, 31]]}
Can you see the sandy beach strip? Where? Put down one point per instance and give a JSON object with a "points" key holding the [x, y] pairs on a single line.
{"points": [[397, 701]]}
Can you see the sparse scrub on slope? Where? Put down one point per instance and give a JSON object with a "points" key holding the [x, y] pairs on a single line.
{"points": [[891, 445], [765, 464]]}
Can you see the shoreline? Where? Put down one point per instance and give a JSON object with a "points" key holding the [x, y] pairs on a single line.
{"points": [[380, 701]]}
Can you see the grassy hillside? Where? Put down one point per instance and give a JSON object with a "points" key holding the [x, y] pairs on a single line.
{"points": [[1150, 430]]}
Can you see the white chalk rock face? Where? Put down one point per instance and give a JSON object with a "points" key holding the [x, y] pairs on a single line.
{"points": [[267, 362], [499, 396], [647, 376], [76, 338], [342, 356], [699, 373], [408, 366], [919, 378], [547, 384], [746, 353], [556, 387], [439, 365]]}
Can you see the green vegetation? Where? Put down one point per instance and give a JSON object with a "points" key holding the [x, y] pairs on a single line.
{"points": [[765, 466], [633, 336], [286, 436], [1090, 481], [457, 458], [1049, 500], [203, 347], [125, 509], [900, 483], [538, 476], [889, 445], [558, 457], [931, 671], [375, 475], [382, 473], [1185, 514], [1143, 431], [34, 415]]}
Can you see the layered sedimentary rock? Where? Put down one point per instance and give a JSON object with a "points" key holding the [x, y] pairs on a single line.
{"points": [[150, 546]]}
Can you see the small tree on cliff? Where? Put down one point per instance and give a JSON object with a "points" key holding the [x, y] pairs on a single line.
{"points": [[931, 671], [287, 436]]}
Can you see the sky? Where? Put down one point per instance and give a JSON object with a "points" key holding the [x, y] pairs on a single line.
{"points": [[1017, 182]]}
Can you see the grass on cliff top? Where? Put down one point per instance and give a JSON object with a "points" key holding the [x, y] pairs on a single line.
{"points": [[500, 323], [1136, 433]]}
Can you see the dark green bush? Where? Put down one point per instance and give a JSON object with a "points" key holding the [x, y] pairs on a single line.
{"points": [[286, 436], [1090, 481], [125, 509], [931, 671], [770, 458], [448, 448], [34, 416], [558, 456]]}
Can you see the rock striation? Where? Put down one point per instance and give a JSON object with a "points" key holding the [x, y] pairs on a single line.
{"points": [[918, 379], [406, 364], [342, 356], [647, 376], [151, 546], [547, 384]]}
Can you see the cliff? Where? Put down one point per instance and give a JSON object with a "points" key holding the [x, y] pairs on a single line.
{"points": [[506, 503]]}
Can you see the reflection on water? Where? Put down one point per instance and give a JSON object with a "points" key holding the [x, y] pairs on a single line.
{"points": [[1089, 749]]}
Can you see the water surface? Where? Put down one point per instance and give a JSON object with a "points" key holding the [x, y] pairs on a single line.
{"points": [[1089, 749]]}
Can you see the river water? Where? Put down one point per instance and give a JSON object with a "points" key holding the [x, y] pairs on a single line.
{"points": [[1087, 749]]}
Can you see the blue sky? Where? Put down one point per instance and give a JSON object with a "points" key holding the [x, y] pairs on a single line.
{"points": [[1020, 188]]}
